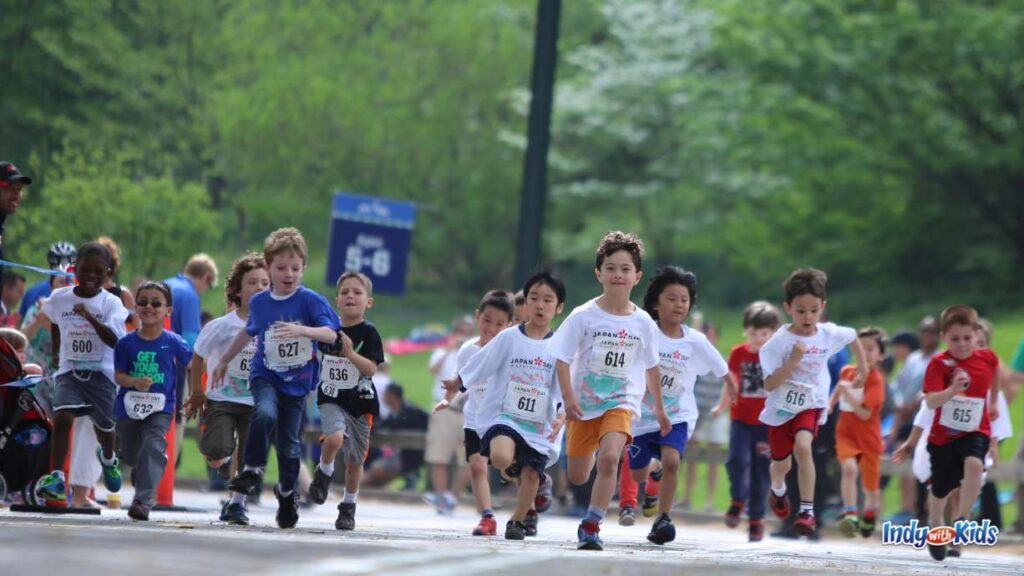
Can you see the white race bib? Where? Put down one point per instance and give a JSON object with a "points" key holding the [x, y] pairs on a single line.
{"points": [[285, 353], [337, 373], [671, 385], [795, 397], [84, 345], [858, 395], [526, 402], [241, 364], [139, 404], [613, 356], [962, 413]]}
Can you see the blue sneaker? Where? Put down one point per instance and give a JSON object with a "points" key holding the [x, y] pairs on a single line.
{"points": [[588, 535], [51, 487], [111, 474], [235, 514]]}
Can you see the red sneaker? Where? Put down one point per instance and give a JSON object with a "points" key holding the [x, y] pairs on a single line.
{"points": [[732, 516], [487, 527], [805, 524], [779, 505], [756, 533]]}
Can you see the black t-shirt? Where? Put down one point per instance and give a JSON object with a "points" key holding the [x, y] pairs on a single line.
{"points": [[340, 381]]}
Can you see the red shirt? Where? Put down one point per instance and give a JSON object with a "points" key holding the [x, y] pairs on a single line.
{"points": [[746, 369], [981, 366]]}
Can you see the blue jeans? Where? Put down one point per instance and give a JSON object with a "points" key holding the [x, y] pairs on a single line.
{"points": [[747, 466], [274, 411]]}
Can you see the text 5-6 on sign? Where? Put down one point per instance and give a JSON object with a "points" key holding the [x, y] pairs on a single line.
{"points": [[373, 236]]}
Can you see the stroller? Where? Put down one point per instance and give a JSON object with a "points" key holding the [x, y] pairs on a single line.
{"points": [[26, 423]]}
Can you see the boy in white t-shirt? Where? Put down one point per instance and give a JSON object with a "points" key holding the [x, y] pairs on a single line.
{"points": [[224, 411], [795, 367], [606, 352]]}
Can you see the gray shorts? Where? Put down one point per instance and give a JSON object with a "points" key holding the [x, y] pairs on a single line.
{"points": [[88, 393], [334, 418]]}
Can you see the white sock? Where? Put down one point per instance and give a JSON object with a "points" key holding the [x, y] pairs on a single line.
{"points": [[256, 469], [283, 493], [349, 497], [108, 462], [237, 498], [327, 469], [806, 506], [780, 492]]}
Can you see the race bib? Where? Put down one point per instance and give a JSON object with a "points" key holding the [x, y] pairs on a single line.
{"points": [[84, 345], [337, 373], [139, 404], [526, 402], [671, 385], [858, 395], [285, 353], [241, 364], [963, 413], [796, 397], [613, 356]]}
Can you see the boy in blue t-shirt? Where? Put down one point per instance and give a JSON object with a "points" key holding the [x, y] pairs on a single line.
{"points": [[146, 366], [285, 321]]}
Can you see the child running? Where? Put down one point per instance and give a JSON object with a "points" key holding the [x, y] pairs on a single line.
{"points": [[514, 375], [962, 386], [795, 365], [859, 444], [86, 322], [495, 312], [225, 410], [346, 397], [146, 364], [285, 321], [748, 462], [612, 347], [684, 354]]}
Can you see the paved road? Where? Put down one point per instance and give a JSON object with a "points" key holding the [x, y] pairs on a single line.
{"points": [[415, 541]]}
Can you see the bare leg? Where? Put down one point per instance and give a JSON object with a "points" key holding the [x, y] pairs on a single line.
{"points": [[611, 448], [670, 469]]}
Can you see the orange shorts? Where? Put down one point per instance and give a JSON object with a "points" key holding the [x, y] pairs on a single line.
{"points": [[582, 437], [869, 462]]}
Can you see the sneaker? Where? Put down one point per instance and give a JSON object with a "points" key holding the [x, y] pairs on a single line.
{"points": [[138, 511], [867, 527], [530, 522], [224, 511], [318, 487], [805, 524], [626, 516], [223, 471], [430, 498], [487, 526], [755, 533], [346, 516], [287, 508], [544, 495], [650, 505], [514, 471], [663, 531], [732, 516], [245, 482], [236, 515], [656, 475], [589, 536], [938, 551], [901, 517], [515, 530], [111, 473], [51, 487], [953, 552], [446, 505], [779, 505], [849, 525]]}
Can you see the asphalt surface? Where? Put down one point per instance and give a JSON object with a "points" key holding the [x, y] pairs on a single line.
{"points": [[413, 540]]}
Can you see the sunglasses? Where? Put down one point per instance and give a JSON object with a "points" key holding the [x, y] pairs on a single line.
{"points": [[149, 303]]}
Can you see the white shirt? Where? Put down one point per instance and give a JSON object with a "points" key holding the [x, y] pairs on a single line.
{"points": [[515, 376], [682, 360], [811, 373], [447, 358], [468, 400], [214, 340], [80, 345], [608, 357]]}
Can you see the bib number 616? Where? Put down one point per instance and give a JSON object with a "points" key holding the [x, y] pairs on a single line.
{"points": [[794, 398]]}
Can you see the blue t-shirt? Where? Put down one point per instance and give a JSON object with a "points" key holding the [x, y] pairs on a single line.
{"points": [[835, 365], [158, 359], [304, 307], [186, 311], [36, 291]]}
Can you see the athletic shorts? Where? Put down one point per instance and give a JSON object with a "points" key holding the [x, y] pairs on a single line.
{"points": [[89, 393], [583, 437], [648, 446], [334, 418], [781, 438], [948, 461], [471, 442], [525, 457], [224, 426], [445, 439]]}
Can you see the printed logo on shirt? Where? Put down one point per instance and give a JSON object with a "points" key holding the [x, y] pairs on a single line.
{"points": [[621, 335], [753, 379], [536, 363], [146, 366]]}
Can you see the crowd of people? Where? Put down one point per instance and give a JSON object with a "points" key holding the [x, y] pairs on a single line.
{"points": [[608, 402]]}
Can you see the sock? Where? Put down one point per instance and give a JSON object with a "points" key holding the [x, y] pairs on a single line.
{"points": [[870, 514], [779, 492], [349, 497], [107, 461], [807, 506], [237, 498], [595, 514], [488, 512], [327, 469], [282, 492], [738, 503], [851, 510]]}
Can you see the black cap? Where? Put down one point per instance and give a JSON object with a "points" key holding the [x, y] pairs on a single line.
{"points": [[10, 173]]}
